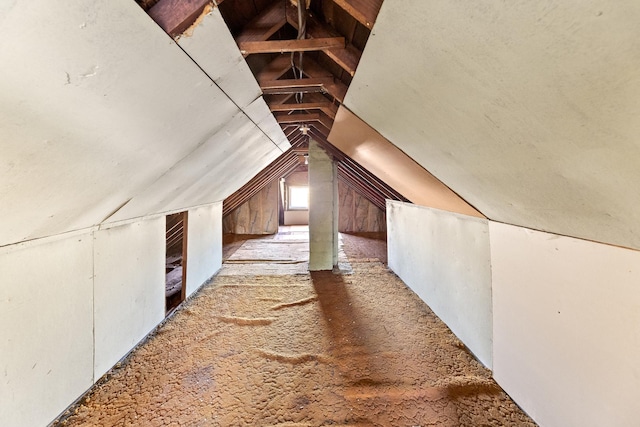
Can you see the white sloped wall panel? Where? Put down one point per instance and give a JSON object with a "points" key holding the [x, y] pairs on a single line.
{"points": [[528, 110], [97, 104]]}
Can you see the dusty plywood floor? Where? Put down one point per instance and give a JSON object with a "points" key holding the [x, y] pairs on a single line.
{"points": [[357, 349]]}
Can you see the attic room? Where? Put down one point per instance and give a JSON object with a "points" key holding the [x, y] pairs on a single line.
{"points": [[450, 178]]}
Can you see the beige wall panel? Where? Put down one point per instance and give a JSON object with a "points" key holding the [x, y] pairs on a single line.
{"points": [[366, 146]]}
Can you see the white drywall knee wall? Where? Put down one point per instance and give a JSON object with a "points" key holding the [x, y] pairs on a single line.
{"points": [[445, 259]]}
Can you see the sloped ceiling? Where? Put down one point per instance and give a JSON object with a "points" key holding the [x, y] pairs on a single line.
{"points": [[104, 117], [528, 110], [363, 144]]}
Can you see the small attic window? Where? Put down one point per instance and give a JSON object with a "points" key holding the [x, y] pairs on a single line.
{"points": [[298, 198]]}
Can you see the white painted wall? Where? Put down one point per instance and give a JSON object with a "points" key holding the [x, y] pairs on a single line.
{"points": [[129, 288], [71, 306], [526, 109], [46, 338], [204, 245], [110, 122], [445, 259], [566, 327]]}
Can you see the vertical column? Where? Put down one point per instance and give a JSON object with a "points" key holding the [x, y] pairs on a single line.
{"points": [[323, 210]]}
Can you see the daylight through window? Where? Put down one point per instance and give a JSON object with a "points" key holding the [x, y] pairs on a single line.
{"points": [[298, 197]]}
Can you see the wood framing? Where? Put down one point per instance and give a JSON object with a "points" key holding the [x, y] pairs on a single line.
{"points": [[175, 16], [364, 11], [296, 85], [281, 46], [347, 56], [264, 25], [297, 118]]}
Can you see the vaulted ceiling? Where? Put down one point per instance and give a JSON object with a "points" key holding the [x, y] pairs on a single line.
{"points": [[303, 60], [525, 112]]}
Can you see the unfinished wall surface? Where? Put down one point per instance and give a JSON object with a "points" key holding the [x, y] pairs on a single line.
{"points": [[445, 259], [204, 245], [528, 110], [258, 215], [566, 327], [46, 338], [129, 288], [357, 214]]}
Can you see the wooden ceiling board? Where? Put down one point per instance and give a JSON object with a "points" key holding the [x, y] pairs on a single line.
{"points": [[267, 23], [370, 149], [364, 11]]}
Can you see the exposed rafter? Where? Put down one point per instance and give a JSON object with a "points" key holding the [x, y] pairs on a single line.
{"points": [[175, 16], [281, 46], [347, 57], [263, 26], [296, 85], [278, 168], [364, 11]]}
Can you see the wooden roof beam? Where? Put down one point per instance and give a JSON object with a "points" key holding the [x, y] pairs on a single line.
{"points": [[297, 118], [346, 57], [281, 46], [329, 108], [266, 24], [175, 16], [312, 69], [275, 69], [296, 85], [364, 11]]}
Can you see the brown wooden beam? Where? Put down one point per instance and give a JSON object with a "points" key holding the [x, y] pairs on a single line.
{"points": [[296, 85], [312, 69], [301, 106], [264, 25], [325, 120], [275, 69], [364, 11], [175, 16], [346, 57], [281, 46], [296, 118]]}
